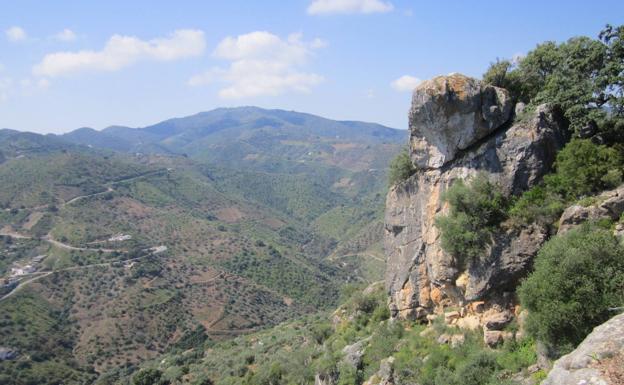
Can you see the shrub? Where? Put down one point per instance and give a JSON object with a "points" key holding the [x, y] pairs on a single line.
{"points": [[476, 209], [578, 276], [401, 168], [477, 369], [148, 377], [537, 205], [583, 167]]}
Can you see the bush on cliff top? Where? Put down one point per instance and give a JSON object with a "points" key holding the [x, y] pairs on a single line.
{"points": [[476, 209], [578, 276], [583, 76]]}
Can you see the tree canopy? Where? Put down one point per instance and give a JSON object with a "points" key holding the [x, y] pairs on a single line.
{"points": [[583, 76]]}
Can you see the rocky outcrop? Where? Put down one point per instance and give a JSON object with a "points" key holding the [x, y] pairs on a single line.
{"points": [[450, 113], [324, 379], [460, 127], [353, 353], [608, 205], [598, 360], [7, 353], [385, 375]]}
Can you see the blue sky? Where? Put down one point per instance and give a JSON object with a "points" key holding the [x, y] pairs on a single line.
{"points": [[69, 64]]}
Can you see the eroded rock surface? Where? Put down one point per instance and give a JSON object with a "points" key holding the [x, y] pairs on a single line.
{"points": [[608, 205], [459, 128], [598, 360], [450, 113]]}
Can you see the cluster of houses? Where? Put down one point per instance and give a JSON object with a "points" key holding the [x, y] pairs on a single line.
{"points": [[119, 238], [30, 268], [12, 280]]}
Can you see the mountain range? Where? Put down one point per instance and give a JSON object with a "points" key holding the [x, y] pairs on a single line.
{"points": [[129, 240]]}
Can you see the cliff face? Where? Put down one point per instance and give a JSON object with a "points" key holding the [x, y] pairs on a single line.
{"points": [[458, 128]]}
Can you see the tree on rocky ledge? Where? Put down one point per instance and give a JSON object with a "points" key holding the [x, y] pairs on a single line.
{"points": [[583, 76]]}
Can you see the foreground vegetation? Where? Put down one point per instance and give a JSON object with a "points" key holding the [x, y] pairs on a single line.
{"points": [[295, 352]]}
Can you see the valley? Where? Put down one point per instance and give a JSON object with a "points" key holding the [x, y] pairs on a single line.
{"points": [[113, 257]]}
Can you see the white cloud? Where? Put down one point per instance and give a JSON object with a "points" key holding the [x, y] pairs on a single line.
{"points": [[15, 34], [122, 51], [349, 6], [31, 83], [65, 35], [318, 43], [5, 85], [405, 83], [43, 83], [261, 64]]}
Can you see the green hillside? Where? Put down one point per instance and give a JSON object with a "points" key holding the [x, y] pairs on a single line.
{"points": [[142, 249]]}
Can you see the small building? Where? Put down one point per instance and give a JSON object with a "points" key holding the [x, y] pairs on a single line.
{"points": [[119, 238], [22, 270]]}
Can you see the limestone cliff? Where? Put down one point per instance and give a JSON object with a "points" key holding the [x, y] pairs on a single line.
{"points": [[459, 127]]}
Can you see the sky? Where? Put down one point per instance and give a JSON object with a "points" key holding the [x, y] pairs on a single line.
{"points": [[71, 64]]}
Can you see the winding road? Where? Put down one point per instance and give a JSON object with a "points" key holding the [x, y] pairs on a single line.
{"points": [[43, 274]]}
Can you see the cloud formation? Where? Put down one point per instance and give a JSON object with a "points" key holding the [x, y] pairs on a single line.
{"points": [[405, 83], [122, 51], [5, 85], [261, 63], [65, 35], [15, 34], [318, 7]]}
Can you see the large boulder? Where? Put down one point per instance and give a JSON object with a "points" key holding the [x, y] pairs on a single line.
{"points": [[450, 113], [608, 205], [598, 360], [353, 353], [506, 262], [447, 146], [385, 375]]}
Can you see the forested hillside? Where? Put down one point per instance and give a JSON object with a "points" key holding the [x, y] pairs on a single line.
{"points": [[112, 257]]}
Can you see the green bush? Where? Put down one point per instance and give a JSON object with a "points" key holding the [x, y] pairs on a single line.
{"points": [[583, 167], [578, 276], [401, 168], [476, 209], [149, 377], [581, 76], [537, 205]]}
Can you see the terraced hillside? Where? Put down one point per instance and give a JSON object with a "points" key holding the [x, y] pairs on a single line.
{"points": [[110, 258]]}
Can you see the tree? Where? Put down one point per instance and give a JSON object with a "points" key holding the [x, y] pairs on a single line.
{"points": [[476, 209], [612, 75], [583, 76], [148, 377], [583, 168], [578, 276], [574, 84], [496, 74]]}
